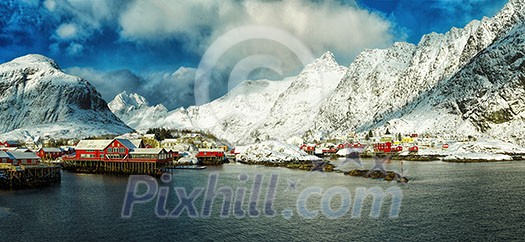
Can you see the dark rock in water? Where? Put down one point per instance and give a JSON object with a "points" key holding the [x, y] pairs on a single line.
{"points": [[390, 176], [377, 174], [356, 172]]}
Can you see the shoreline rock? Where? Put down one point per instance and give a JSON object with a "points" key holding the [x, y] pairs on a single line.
{"points": [[376, 174]]}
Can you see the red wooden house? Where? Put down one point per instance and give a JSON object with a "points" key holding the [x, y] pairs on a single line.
{"points": [[234, 152], [329, 151], [146, 154], [413, 150], [116, 156], [119, 150], [5, 158], [210, 153], [50, 153], [387, 147], [103, 149], [308, 148], [19, 158], [211, 156]]}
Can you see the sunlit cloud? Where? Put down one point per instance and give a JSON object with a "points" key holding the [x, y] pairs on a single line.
{"points": [[342, 28], [66, 31]]}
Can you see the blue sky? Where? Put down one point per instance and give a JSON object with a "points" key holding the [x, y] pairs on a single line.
{"points": [[154, 47]]}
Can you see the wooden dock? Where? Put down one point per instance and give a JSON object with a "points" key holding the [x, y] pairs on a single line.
{"points": [[114, 167], [19, 177]]}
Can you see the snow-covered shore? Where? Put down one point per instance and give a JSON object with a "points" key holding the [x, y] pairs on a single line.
{"points": [[472, 151], [272, 151]]}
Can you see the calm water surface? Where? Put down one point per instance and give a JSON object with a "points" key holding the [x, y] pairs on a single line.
{"points": [[443, 201]]}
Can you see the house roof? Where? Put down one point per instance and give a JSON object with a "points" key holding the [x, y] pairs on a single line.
{"points": [[17, 155], [211, 150], [127, 143], [169, 141], [4, 154], [136, 142], [52, 150], [146, 151], [93, 144]]}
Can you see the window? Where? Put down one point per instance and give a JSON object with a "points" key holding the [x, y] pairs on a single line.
{"points": [[122, 150], [110, 150], [4, 160], [101, 157]]}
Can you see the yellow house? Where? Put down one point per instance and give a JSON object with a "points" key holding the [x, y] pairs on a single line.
{"points": [[387, 138], [407, 140]]}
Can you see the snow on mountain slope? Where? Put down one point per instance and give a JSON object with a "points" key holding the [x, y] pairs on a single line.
{"points": [[295, 110], [134, 110], [256, 110], [326, 99], [36, 97], [485, 97], [382, 81], [230, 117]]}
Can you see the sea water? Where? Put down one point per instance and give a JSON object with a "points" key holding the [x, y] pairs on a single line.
{"points": [[442, 201]]}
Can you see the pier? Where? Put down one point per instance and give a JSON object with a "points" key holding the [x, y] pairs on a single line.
{"points": [[16, 177], [120, 167]]}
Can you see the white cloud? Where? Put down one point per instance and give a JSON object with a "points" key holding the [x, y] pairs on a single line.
{"points": [[74, 49], [50, 5], [66, 31], [343, 29]]}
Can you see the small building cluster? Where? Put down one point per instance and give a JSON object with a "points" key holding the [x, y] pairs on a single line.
{"points": [[121, 150], [18, 158], [387, 143]]}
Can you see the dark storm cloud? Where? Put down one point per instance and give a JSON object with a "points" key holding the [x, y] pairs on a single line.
{"points": [[173, 89]]}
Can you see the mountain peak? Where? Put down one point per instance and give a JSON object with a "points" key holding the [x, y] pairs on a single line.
{"points": [[131, 99], [32, 59], [328, 56], [38, 99], [134, 110], [325, 61]]}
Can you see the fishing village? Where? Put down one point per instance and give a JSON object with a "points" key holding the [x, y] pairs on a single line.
{"points": [[35, 164]]}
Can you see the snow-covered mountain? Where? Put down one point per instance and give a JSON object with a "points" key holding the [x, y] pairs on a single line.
{"points": [[466, 81], [486, 96], [382, 81], [37, 99], [257, 110], [134, 110], [296, 109], [230, 117]]}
